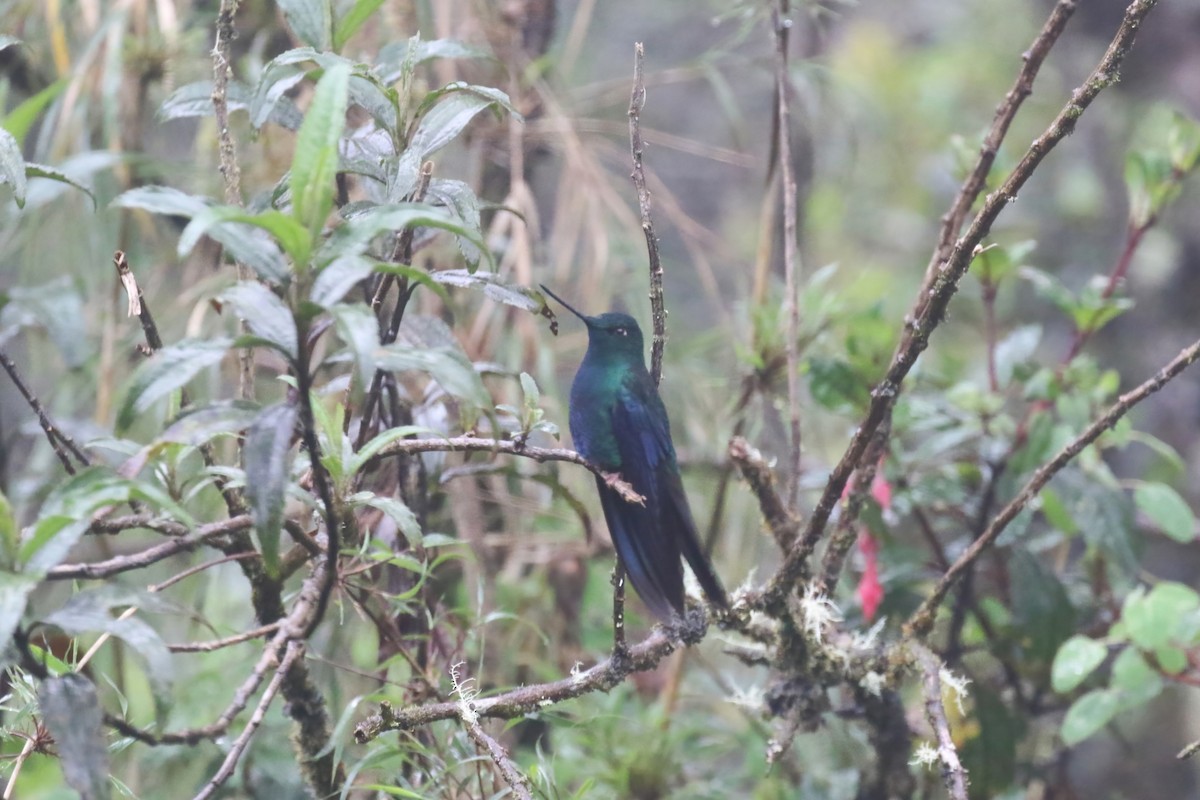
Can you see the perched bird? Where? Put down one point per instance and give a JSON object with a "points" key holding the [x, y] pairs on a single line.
{"points": [[619, 423]]}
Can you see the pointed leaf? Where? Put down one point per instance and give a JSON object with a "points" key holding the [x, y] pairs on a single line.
{"points": [[14, 594], [382, 440], [353, 237], [311, 20], [265, 315], [282, 228], [21, 119], [267, 460], [73, 715], [352, 20], [90, 611], [492, 287], [199, 425], [447, 366], [10, 535], [42, 171], [165, 371], [396, 510], [358, 328], [315, 161], [338, 278]]}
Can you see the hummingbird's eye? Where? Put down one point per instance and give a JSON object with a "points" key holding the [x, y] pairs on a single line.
{"points": [[621, 331]]}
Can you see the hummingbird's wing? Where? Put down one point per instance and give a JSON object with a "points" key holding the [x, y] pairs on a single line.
{"points": [[652, 539]]}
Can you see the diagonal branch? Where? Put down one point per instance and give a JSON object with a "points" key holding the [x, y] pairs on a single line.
{"points": [[931, 309], [922, 620]]}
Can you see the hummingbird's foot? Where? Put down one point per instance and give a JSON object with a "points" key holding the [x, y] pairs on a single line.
{"points": [[618, 484]]}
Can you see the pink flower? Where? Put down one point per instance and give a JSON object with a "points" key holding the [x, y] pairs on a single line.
{"points": [[870, 590]]}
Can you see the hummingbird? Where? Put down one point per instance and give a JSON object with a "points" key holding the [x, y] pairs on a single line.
{"points": [[619, 423]]}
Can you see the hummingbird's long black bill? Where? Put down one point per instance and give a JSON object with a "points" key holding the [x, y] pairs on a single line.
{"points": [[564, 303]]}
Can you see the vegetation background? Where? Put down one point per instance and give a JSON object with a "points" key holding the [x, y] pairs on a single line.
{"points": [[1075, 631]]}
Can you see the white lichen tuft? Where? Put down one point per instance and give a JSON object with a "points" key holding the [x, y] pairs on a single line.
{"points": [[466, 692], [577, 671], [957, 684], [865, 641], [751, 697], [818, 612], [926, 755], [873, 683]]}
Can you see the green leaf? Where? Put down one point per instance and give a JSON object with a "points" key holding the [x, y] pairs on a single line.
{"points": [[1042, 611], [380, 441], [1169, 511], [394, 58], [250, 246], [53, 537], [21, 119], [12, 166], [14, 595], [449, 367], [199, 425], [492, 287], [311, 20], [1154, 619], [315, 161], [396, 510], [353, 237], [90, 611], [1172, 660], [57, 307], [72, 713], [461, 198], [1139, 684], [1089, 714], [42, 171], [337, 279], [10, 535], [165, 371], [455, 105], [1075, 661], [352, 20], [358, 328], [266, 457], [265, 315], [293, 238]]}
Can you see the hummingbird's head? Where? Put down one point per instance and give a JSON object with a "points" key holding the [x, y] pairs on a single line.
{"points": [[612, 336]]}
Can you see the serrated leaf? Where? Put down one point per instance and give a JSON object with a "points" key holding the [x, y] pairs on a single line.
{"points": [[315, 161], [311, 20], [165, 371], [1075, 661], [358, 328], [12, 166], [1168, 509], [492, 287], [265, 315], [266, 457], [447, 366], [72, 713], [199, 425], [1089, 714], [352, 20]]}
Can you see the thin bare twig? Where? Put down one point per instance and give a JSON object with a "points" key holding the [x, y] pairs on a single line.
{"points": [[782, 524], [930, 309], [58, 440], [294, 652], [231, 171], [151, 555], [228, 641], [952, 220], [953, 772], [508, 770], [791, 258], [517, 702], [658, 312], [922, 619]]}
